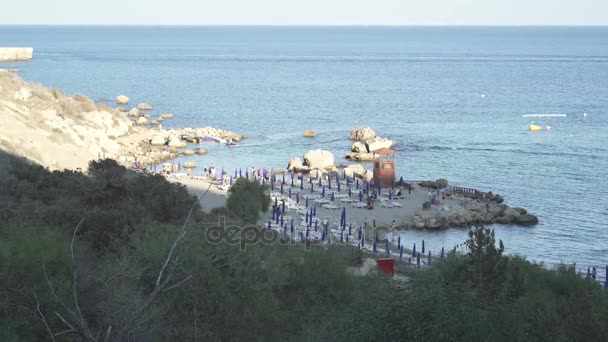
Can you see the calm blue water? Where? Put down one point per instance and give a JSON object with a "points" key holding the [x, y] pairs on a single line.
{"points": [[452, 98]]}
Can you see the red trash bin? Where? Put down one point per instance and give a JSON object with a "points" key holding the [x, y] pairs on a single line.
{"points": [[386, 266]]}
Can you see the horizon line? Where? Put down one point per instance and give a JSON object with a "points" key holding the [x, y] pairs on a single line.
{"points": [[323, 25]]}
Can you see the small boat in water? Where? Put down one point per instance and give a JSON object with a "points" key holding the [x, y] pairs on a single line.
{"points": [[535, 128]]}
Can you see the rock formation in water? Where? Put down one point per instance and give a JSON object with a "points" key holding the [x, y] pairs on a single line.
{"points": [[8, 54]]}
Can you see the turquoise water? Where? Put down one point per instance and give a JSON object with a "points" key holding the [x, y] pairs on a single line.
{"points": [[453, 99]]}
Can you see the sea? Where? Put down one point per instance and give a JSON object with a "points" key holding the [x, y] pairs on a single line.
{"points": [[453, 98]]}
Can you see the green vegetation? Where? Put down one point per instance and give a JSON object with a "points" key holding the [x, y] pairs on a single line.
{"points": [[107, 254], [248, 198]]}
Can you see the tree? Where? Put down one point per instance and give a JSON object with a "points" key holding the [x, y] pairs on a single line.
{"points": [[247, 198], [485, 260]]}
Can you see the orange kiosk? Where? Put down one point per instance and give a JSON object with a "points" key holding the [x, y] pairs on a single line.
{"points": [[384, 167]]}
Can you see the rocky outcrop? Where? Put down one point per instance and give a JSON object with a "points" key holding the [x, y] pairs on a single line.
{"points": [[166, 116], [144, 106], [318, 159], [122, 100], [309, 133], [16, 54], [141, 121], [362, 134], [473, 212], [189, 165], [200, 151], [188, 152], [54, 130], [440, 183]]}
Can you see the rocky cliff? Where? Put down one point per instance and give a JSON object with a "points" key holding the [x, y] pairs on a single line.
{"points": [[57, 131]]}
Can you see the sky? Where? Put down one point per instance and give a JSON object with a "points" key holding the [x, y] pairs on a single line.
{"points": [[305, 12]]}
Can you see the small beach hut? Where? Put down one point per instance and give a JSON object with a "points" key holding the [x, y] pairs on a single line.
{"points": [[384, 167]]}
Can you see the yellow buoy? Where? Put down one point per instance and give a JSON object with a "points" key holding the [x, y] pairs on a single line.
{"points": [[535, 128]]}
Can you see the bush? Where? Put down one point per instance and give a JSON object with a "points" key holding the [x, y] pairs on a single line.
{"points": [[247, 199]]}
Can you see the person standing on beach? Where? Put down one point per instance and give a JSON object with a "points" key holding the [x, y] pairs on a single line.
{"points": [[594, 273]]}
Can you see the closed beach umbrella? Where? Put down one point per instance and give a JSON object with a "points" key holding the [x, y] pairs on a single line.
{"points": [[377, 237], [422, 246], [269, 224], [390, 194], [306, 202], [284, 229], [350, 228], [302, 182], [588, 272], [606, 281], [307, 233], [401, 253], [388, 250], [323, 192], [298, 198], [350, 192], [277, 217], [333, 197], [292, 225], [292, 179], [301, 235], [289, 192], [314, 210], [339, 186], [271, 185], [359, 234], [247, 173], [316, 225], [392, 184], [399, 242], [357, 184], [319, 178], [281, 188], [343, 217], [240, 173], [283, 206], [375, 247], [362, 240], [342, 236], [328, 182], [401, 182], [283, 178], [323, 235], [442, 253], [306, 216], [379, 190], [312, 188], [282, 219], [360, 196], [273, 212], [236, 173], [414, 250], [276, 202], [346, 238], [429, 257]]}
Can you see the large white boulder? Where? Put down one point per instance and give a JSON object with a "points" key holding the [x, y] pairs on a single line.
{"points": [[309, 133], [166, 115], [135, 112], [141, 121], [144, 106], [360, 156], [359, 147], [362, 134], [157, 140], [295, 164], [122, 100], [176, 142], [354, 170], [318, 159], [376, 143]]}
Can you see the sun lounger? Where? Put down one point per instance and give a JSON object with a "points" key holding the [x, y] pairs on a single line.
{"points": [[396, 204], [346, 200], [330, 207], [359, 205]]}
